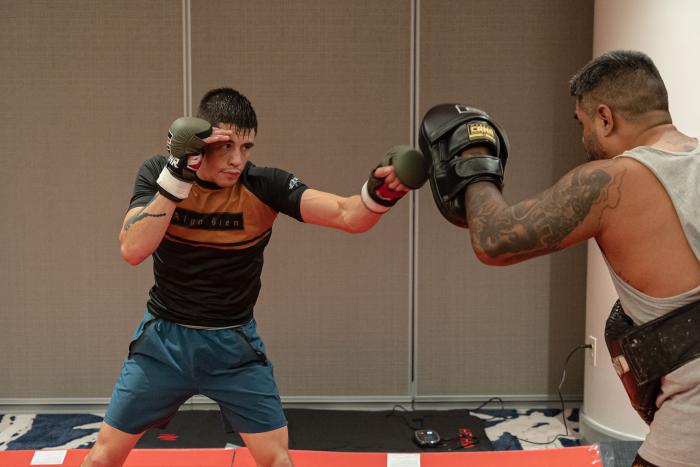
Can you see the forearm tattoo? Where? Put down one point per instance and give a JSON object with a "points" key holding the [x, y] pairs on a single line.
{"points": [[538, 225], [142, 214]]}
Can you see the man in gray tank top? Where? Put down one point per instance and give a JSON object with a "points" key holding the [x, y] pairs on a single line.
{"points": [[638, 196]]}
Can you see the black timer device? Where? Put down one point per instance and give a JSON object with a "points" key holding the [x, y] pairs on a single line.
{"points": [[426, 438]]}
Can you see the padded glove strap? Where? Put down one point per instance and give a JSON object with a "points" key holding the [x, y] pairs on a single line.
{"points": [[466, 170]]}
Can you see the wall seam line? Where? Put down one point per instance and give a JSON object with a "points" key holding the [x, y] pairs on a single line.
{"points": [[413, 219], [186, 58]]}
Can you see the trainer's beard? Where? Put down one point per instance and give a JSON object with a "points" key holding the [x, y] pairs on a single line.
{"points": [[594, 150]]}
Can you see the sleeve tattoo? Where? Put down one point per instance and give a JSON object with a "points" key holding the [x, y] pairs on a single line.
{"points": [[538, 225]]}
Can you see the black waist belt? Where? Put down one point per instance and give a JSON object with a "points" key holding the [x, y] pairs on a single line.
{"points": [[643, 354]]}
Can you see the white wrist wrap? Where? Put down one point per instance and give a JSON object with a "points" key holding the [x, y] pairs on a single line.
{"points": [[176, 187], [371, 204]]}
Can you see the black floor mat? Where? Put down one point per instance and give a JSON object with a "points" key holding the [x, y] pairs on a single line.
{"points": [[383, 431], [191, 429], [330, 430]]}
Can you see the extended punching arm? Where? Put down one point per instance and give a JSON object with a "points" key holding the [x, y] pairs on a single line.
{"points": [[401, 170]]}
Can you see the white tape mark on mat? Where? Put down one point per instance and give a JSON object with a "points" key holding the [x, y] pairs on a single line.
{"points": [[402, 460], [49, 457]]}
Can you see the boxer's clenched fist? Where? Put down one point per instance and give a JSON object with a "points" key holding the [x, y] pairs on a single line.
{"points": [[403, 169]]}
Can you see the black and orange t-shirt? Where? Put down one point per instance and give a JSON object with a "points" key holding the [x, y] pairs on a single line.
{"points": [[207, 267]]}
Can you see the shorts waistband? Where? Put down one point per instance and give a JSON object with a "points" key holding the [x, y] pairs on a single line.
{"points": [[208, 328]]}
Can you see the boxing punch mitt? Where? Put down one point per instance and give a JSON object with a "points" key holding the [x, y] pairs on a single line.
{"points": [[445, 132]]}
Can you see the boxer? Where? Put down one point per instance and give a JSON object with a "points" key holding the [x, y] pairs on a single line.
{"points": [[205, 214]]}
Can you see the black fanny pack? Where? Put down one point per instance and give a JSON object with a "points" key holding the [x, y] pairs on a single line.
{"points": [[643, 354]]}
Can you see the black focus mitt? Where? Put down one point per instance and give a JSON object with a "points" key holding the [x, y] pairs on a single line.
{"points": [[446, 131]]}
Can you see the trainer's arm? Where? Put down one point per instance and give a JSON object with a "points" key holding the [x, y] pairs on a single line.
{"points": [[567, 213], [144, 228]]}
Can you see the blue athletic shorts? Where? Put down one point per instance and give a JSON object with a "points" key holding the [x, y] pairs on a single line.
{"points": [[168, 363]]}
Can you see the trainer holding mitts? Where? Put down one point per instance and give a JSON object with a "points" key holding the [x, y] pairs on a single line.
{"points": [[446, 132], [637, 196], [185, 147]]}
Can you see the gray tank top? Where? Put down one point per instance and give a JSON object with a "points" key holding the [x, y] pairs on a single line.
{"points": [[679, 173], [674, 435]]}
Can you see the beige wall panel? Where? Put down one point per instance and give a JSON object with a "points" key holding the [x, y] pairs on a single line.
{"points": [[502, 331], [88, 91], [330, 81]]}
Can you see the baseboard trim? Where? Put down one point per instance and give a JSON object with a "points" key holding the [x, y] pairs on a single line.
{"points": [[427, 402], [594, 432]]}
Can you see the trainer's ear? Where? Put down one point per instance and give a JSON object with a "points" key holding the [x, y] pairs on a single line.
{"points": [[605, 119]]}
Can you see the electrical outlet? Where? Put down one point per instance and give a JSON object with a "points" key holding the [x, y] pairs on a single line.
{"points": [[592, 341]]}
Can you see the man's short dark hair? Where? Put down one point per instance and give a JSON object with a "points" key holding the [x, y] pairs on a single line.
{"points": [[626, 81], [228, 106]]}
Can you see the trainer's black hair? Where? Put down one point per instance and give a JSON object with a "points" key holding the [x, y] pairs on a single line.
{"points": [[228, 106], [627, 81]]}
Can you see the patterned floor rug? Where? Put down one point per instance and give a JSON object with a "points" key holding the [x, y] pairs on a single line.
{"points": [[521, 429]]}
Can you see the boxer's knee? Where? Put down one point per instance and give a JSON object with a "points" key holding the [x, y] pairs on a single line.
{"points": [[270, 449], [111, 448], [102, 456], [282, 460]]}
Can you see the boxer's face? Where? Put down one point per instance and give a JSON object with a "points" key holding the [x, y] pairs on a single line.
{"points": [[590, 139], [224, 162]]}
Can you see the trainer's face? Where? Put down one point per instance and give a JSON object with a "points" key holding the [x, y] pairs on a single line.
{"points": [[590, 139], [223, 162]]}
